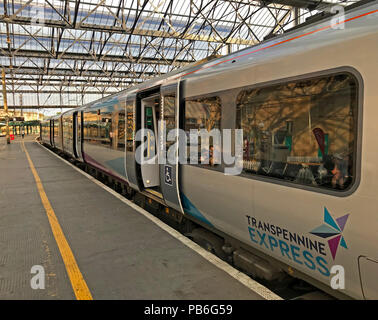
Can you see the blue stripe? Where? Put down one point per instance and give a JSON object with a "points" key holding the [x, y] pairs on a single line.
{"points": [[189, 208]]}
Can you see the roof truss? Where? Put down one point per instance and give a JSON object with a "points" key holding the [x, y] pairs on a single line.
{"points": [[62, 52]]}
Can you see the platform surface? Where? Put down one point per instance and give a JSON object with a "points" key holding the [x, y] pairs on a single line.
{"points": [[120, 253]]}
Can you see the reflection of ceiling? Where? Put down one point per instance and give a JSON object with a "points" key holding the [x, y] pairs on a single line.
{"points": [[64, 53]]}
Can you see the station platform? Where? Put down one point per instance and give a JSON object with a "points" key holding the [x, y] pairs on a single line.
{"points": [[115, 250]]}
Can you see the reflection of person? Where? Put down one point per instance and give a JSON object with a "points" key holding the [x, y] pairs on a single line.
{"points": [[246, 149], [305, 176], [214, 117], [111, 138], [322, 173], [340, 171], [211, 156]]}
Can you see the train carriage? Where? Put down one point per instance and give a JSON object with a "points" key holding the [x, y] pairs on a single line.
{"points": [[56, 132], [45, 134]]}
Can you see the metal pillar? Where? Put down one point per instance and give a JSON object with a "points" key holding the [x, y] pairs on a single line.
{"points": [[5, 107], [296, 16]]}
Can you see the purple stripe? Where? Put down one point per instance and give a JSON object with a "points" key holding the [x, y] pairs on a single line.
{"points": [[98, 165]]}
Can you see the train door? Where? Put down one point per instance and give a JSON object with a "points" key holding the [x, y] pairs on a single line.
{"points": [[143, 112], [369, 283], [80, 134], [132, 125], [57, 135], [150, 111], [170, 167], [74, 134], [77, 134], [54, 129], [51, 128]]}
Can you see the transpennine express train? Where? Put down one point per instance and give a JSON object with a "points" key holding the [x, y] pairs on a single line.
{"points": [[305, 199]]}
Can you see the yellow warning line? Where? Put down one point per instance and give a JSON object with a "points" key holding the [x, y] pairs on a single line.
{"points": [[78, 283]]}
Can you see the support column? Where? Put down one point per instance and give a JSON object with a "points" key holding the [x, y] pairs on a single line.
{"points": [[5, 107]]}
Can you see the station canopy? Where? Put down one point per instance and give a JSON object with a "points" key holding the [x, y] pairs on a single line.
{"points": [[63, 54]]}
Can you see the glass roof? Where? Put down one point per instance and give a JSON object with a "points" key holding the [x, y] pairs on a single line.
{"points": [[67, 53]]}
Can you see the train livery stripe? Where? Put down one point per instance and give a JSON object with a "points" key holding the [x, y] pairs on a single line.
{"points": [[78, 283], [281, 42]]}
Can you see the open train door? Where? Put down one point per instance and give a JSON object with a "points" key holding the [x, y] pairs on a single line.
{"points": [[77, 131], [169, 151], [150, 106], [132, 168]]}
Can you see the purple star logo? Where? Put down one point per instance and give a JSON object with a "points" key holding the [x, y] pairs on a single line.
{"points": [[332, 228]]}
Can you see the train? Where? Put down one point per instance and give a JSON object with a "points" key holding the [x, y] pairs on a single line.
{"points": [[303, 202]]}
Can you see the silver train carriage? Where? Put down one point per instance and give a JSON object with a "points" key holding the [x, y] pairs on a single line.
{"points": [[306, 102]]}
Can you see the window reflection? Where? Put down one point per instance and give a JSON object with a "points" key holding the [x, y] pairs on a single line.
{"points": [[170, 115], [130, 126], [301, 131], [203, 113], [106, 128]]}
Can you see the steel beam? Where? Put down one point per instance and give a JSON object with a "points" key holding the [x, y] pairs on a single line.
{"points": [[63, 91], [70, 73], [118, 29], [44, 107]]}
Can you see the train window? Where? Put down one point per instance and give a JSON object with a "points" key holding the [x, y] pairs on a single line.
{"points": [[56, 130], [121, 131], [130, 126], [170, 115], [203, 113], [302, 131], [105, 128], [67, 130], [96, 128], [90, 127]]}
